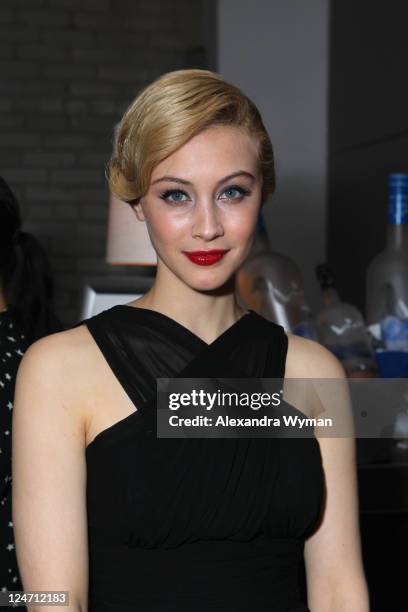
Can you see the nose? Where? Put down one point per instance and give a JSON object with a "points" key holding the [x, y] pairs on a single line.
{"points": [[206, 223]]}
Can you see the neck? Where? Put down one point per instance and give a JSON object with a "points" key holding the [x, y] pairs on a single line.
{"points": [[397, 236], [206, 313]]}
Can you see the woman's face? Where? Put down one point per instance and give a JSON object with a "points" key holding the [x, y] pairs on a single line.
{"points": [[194, 203]]}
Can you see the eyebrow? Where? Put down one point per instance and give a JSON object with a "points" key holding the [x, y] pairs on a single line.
{"points": [[175, 179]]}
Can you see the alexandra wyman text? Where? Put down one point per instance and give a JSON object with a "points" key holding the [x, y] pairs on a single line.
{"points": [[226, 421]]}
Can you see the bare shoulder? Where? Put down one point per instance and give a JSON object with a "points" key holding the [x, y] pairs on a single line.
{"points": [[308, 358], [60, 342], [59, 354], [60, 363]]}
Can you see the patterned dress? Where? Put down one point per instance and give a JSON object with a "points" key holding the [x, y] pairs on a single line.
{"points": [[13, 344]]}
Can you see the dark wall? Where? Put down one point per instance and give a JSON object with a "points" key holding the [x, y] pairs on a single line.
{"points": [[368, 139], [368, 132], [68, 70]]}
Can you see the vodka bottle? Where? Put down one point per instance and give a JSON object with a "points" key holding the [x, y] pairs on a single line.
{"points": [[341, 328], [387, 274], [271, 284]]}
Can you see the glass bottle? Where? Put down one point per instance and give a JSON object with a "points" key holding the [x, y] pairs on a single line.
{"points": [[271, 284], [341, 328], [387, 274]]}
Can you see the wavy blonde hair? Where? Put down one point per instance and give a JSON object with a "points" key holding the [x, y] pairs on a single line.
{"points": [[167, 113]]}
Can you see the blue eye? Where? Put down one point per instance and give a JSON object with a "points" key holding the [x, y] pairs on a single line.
{"points": [[174, 196], [241, 191], [170, 192]]}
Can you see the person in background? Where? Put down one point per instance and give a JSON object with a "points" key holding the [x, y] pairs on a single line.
{"points": [[26, 314]]}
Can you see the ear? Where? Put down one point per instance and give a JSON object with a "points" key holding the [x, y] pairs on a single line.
{"points": [[137, 208]]}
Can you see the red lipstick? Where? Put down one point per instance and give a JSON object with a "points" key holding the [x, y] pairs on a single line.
{"points": [[206, 258]]}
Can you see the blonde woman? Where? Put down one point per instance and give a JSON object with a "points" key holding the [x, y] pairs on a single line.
{"points": [[127, 521]]}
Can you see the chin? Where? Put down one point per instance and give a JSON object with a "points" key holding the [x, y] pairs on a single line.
{"points": [[213, 281]]}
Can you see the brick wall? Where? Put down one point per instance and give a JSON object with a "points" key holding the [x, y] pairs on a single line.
{"points": [[69, 68]]}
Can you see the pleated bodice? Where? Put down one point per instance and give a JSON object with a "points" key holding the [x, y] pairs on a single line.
{"points": [[194, 524]]}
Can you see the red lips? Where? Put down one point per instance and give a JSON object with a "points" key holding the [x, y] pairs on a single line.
{"points": [[205, 258]]}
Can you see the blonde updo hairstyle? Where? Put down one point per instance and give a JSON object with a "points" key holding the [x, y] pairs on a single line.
{"points": [[166, 114]]}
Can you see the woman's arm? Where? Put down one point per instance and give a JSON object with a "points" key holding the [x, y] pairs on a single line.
{"points": [[335, 576], [49, 475], [333, 561]]}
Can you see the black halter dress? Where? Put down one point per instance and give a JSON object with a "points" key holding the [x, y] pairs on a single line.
{"points": [[195, 524]]}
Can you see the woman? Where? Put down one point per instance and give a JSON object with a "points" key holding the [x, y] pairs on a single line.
{"points": [[128, 521], [25, 315]]}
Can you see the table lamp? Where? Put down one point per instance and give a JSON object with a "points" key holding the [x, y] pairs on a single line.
{"points": [[128, 241]]}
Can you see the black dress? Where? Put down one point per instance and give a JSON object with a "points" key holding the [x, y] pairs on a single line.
{"points": [[194, 524], [13, 344]]}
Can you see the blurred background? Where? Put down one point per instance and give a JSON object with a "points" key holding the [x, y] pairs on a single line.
{"points": [[329, 78], [69, 68]]}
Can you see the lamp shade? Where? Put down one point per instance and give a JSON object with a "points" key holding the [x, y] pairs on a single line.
{"points": [[128, 241]]}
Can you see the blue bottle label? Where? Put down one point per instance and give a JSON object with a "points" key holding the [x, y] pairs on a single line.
{"points": [[397, 199]]}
